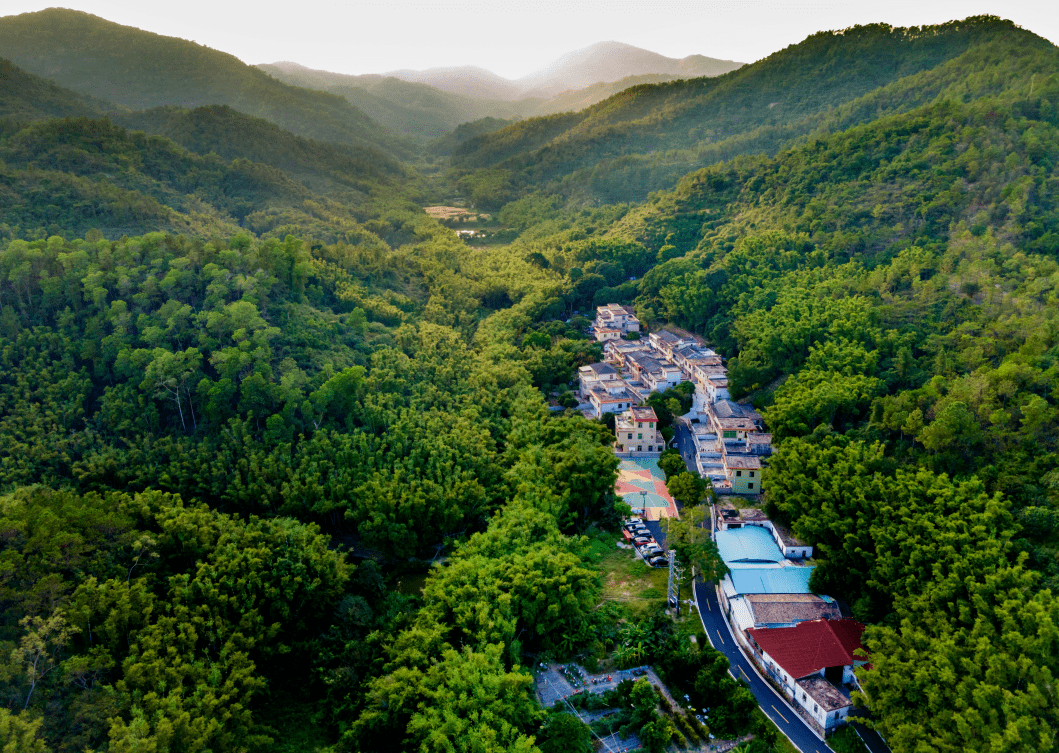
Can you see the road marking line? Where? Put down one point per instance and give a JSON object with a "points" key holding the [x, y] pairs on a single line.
{"points": [[720, 636], [778, 712]]}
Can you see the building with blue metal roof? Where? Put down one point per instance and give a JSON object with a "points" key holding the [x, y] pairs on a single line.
{"points": [[750, 544], [767, 580]]}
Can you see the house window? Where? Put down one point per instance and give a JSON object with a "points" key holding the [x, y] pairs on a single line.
{"points": [[750, 485], [639, 436], [816, 709], [751, 474], [729, 435], [738, 473], [639, 424], [639, 448], [630, 435], [650, 448]]}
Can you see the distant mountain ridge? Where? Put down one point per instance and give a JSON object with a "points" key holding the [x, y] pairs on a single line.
{"points": [[429, 104], [603, 62], [606, 62], [646, 137], [140, 69]]}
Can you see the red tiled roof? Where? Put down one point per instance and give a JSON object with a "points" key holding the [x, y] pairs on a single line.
{"points": [[811, 646]]}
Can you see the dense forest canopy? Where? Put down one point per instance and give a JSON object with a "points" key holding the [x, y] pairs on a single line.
{"points": [[248, 388]]}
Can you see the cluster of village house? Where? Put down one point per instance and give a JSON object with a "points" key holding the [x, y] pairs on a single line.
{"points": [[798, 638], [730, 443]]}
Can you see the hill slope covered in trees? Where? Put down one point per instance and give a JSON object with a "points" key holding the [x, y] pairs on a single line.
{"points": [[142, 70], [235, 422], [646, 137]]}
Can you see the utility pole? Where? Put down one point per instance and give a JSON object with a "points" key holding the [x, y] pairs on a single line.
{"points": [[673, 594]]}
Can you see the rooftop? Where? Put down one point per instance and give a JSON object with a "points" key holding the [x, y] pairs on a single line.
{"points": [[810, 646], [603, 396], [775, 580], [826, 695], [665, 336], [751, 544], [784, 609], [616, 308], [741, 424], [643, 413], [785, 536], [599, 369], [732, 409], [743, 462]]}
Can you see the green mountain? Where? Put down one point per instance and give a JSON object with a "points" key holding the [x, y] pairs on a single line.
{"points": [[608, 62], [142, 70], [646, 137], [72, 175], [417, 110], [426, 105], [251, 394], [232, 135], [25, 97]]}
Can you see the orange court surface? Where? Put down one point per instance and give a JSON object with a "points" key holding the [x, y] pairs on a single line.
{"points": [[642, 485]]}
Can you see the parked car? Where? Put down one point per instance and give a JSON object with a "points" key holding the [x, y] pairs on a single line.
{"points": [[643, 540], [658, 561]]}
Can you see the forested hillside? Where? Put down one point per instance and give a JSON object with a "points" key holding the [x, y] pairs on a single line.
{"points": [[646, 137], [889, 296], [25, 97], [141, 70], [417, 110], [77, 174], [277, 470]]}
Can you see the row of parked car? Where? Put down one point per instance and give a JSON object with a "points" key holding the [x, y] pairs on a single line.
{"points": [[645, 543]]}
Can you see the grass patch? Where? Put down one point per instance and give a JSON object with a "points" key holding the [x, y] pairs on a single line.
{"points": [[627, 579], [846, 740]]}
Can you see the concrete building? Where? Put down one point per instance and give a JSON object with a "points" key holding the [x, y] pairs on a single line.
{"points": [[613, 317], [613, 398], [781, 610], [813, 663], [791, 547], [636, 431], [596, 375], [606, 334], [729, 518], [743, 473]]}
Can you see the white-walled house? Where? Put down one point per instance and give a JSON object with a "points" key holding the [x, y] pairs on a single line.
{"points": [[813, 664], [596, 375], [615, 317]]}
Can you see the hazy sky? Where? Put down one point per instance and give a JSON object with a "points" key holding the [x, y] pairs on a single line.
{"points": [[516, 37]]}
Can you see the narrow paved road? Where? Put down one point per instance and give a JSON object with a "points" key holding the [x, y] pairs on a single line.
{"points": [[685, 443], [771, 702]]}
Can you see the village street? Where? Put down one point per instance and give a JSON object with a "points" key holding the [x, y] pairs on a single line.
{"points": [[774, 705]]}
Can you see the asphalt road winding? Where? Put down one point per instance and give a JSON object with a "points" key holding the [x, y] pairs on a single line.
{"points": [[774, 705]]}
